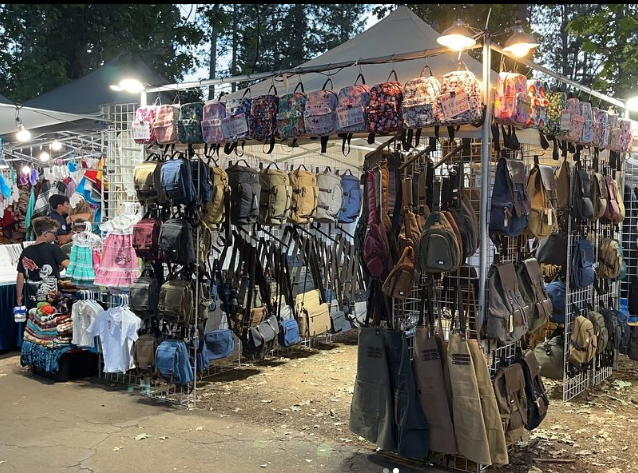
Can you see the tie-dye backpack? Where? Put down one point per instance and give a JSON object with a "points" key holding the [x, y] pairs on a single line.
{"points": [[290, 119], [214, 113]]}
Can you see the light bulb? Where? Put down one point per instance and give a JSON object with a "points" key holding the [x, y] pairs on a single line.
{"points": [[632, 104], [23, 134], [26, 169], [519, 50], [56, 145], [44, 156], [132, 86]]}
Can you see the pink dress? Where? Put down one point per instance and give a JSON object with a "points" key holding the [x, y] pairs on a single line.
{"points": [[118, 267]]}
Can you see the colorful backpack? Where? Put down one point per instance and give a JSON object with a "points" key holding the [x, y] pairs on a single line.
{"points": [[602, 128], [142, 127], [165, 124], [512, 104], [576, 121], [189, 125], [589, 125], [539, 105], [320, 116], [290, 119], [626, 134], [460, 101], [235, 125], [214, 113], [614, 132], [557, 104], [262, 124], [352, 110], [385, 114], [420, 101]]}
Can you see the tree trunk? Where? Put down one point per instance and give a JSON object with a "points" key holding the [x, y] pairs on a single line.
{"points": [[233, 62], [213, 60]]}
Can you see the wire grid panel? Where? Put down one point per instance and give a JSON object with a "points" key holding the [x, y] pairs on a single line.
{"points": [[122, 154], [630, 232]]}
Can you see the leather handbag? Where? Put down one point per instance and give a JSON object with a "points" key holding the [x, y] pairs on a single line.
{"points": [[553, 249]]}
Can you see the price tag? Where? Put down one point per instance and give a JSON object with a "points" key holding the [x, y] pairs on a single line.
{"points": [[455, 104], [350, 116], [141, 130], [235, 126]]}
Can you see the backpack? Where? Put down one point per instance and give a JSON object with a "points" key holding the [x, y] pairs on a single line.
{"points": [[420, 101], [460, 101], [144, 355], [320, 115], [176, 301], [576, 121], [213, 114], [612, 211], [541, 188], [177, 182], [508, 314], [539, 105], [623, 330], [557, 292], [399, 282], [142, 127], [201, 173], [189, 125], [582, 268], [245, 194], [215, 211], [144, 296], [176, 242], [305, 194], [384, 109], [469, 222], [173, 362], [589, 125], [614, 132], [330, 196], [510, 205], [276, 196], [601, 139], [351, 198], [626, 135], [557, 103], [632, 349], [165, 124], [439, 249], [609, 259], [537, 399], [352, 110], [532, 287], [145, 239], [599, 195], [290, 118], [511, 399], [147, 178], [582, 346], [621, 204], [512, 103], [235, 125], [262, 125], [582, 206], [600, 330]]}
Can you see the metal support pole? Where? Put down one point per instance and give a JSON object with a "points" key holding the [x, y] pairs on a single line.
{"points": [[485, 174]]}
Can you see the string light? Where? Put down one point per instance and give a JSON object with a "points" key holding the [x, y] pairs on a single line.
{"points": [[56, 146]]}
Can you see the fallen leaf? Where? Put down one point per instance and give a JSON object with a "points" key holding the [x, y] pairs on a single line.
{"points": [[309, 461], [263, 466], [266, 401], [164, 438], [142, 437], [200, 428]]}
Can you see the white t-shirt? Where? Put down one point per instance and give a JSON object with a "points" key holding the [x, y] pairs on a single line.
{"points": [[117, 329], [83, 315]]}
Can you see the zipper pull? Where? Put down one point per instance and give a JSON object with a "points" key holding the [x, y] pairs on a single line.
{"points": [[511, 323], [505, 219]]}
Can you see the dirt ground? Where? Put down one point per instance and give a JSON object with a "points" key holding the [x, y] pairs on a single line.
{"points": [[308, 392]]}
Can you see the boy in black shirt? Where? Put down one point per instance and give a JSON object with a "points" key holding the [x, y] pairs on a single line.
{"points": [[39, 264]]}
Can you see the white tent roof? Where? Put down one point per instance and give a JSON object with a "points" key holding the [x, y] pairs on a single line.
{"points": [[401, 31]]}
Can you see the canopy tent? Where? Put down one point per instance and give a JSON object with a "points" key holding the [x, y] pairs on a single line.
{"points": [[4, 99]]}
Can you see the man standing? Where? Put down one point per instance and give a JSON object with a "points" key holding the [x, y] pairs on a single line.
{"points": [[60, 212], [39, 264]]}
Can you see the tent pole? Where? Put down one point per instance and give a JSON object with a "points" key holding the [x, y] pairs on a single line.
{"points": [[485, 176]]}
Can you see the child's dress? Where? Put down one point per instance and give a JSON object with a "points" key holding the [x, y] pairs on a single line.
{"points": [[80, 269], [118, 267]]}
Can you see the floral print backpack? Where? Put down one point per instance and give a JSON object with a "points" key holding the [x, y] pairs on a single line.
{"points": [[165, 124], [539, 105], [419, 101], [512, 102], [460, 101], [189, 125], [235, 125], [262, 124], [384, 110], [142, 127], [290, 119], [214, 113]]}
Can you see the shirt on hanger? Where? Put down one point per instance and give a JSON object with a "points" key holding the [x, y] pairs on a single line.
{"points": [[83, 314], [117, 329]]}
